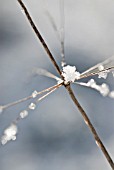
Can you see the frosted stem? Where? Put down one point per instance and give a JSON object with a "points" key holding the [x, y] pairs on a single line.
{"points": [[30, 97], [44, 72], [32, 106], [106, 66]]}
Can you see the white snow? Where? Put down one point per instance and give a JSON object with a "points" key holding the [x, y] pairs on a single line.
{"points": [[70, 74], [24, 114], [32, 106], [34, 94], [111, 94], [9, 134]]}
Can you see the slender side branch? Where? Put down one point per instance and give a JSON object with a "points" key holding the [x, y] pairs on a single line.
{"points": [[38, 100], [91, 127], [39, 36], [84, 75], [31, 96]]}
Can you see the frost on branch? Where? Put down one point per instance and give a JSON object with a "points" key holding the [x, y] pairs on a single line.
{"points": [[9, 134], [103, 88], [34, 94], [111, 94], [102, 74], [102, 69], [70, 74]]}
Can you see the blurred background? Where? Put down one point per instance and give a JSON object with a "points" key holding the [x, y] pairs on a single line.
{"points": [[54, 136]]}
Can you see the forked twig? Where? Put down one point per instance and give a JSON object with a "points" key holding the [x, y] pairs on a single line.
{"points": [[85, 117]]}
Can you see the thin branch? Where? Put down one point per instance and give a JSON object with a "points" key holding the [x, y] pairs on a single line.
{"points": [[37, 101], [39, 36], [91, 127], [48, 93], [106, 65], [84, 75], [31, 96], [44, 72]]}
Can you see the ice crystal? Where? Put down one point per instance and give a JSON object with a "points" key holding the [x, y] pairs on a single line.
{"points": [[103, 74], [9, 134], [59, 81], [91, 83], [23, 12], [101, 67], [24, 114], [34, 94], [104, 89], [70, 74], [111, 94], [32, 106]]}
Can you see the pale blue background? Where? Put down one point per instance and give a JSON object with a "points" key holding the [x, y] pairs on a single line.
{"points": [[55, 136]]}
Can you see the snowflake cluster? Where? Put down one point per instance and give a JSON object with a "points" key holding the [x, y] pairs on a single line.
{"points": [[23, 114], [9, 134], [70, 74]]}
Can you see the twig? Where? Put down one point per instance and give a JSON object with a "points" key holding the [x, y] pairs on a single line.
{"points": [[91, 127], [85, 117], [38, 100], [39, 36], [31, 96], [84, 75]]}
